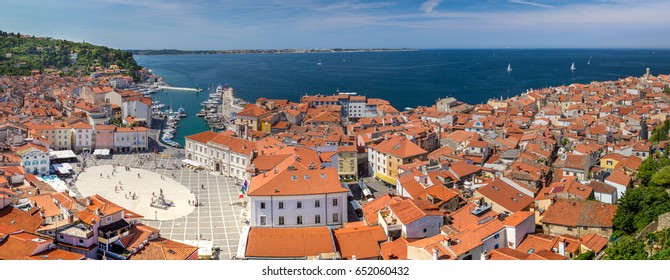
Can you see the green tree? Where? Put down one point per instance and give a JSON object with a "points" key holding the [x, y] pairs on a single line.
{"points": [[589, 255], [638, 207], [626, 248], [647, 169], [661, 178]]}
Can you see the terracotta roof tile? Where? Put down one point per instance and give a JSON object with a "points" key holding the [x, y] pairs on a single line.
{"points": [[289, 242], [362, 241], [594, 242], [394, 250], [29, 220], [574, 213], [371, 208], [164, 249], [408, 211], [398, 146], [505, 195]]}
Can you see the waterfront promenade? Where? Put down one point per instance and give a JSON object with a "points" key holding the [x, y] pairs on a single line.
{"points": [[180, 88]]}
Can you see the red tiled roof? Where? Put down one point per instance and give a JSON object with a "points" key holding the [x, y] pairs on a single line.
{"points": [[505, 195], [394, 250], [289, 242], [164, 249], [594, 242], [29, 220], [362, 241], [371, 208], [408, 211], [573, 213], [619, 177], [202, 137], [398, 146]]}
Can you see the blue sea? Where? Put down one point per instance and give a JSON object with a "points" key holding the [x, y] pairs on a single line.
{"points": [[405, 78]]}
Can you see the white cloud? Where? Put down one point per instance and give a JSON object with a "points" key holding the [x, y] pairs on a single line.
{"points": [[529, 3], [428, 6]]}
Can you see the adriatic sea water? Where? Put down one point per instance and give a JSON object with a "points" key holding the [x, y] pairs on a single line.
{"points": [[405, 78]]}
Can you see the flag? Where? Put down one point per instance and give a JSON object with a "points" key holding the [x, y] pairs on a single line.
{"points": [[241, 196]]}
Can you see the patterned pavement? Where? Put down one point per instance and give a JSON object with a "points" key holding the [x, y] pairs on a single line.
{"points": [[219, 219]]}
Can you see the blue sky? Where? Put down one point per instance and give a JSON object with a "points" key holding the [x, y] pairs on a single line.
{"points": [[255, 24]]}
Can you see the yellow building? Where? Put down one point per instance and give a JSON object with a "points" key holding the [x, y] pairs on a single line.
{"points": [[385, 157], [63, 136], [249, 120], [347, 162], [609, 161]]}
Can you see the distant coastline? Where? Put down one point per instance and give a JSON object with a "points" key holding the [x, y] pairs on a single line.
{"points": [[268, 51]]}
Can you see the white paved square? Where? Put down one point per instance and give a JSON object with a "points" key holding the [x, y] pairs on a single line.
{"points": [[217, 219]]}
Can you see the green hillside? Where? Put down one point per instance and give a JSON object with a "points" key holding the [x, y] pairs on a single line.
{"points": [[21, 54]]}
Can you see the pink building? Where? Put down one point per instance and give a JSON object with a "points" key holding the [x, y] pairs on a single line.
{"points": [[104, 136]]}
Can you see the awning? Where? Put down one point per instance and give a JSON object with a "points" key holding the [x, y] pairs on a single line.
{"points": [[101, 152], [62, 154], [63, 168], [385, 178], [192, 162]]}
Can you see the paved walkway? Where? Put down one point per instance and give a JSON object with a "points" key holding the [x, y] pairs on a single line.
{"points": [[135, 189], [218, 220]]}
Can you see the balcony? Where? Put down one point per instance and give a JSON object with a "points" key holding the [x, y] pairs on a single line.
{"points": [[113, 232]]}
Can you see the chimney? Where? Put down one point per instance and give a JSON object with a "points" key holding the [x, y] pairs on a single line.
{"points": [[436, 255], [561, 248], [353, 257]]}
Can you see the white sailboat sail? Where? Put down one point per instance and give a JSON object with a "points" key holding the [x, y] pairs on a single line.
{"points": [[509, 67], [573, 66]]}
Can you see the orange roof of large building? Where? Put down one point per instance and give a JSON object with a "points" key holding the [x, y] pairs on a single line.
{"points": [[296, 179], [237, 145], [289, 242], [202, 137], [360, 241]]}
